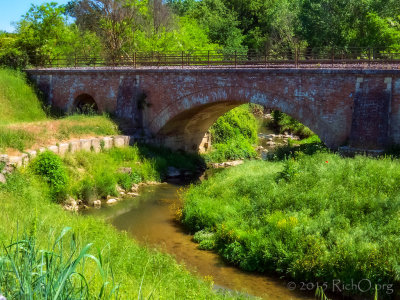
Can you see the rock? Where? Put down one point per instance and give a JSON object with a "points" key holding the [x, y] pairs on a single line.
{"points": [[125, 170], [173, 172], [271, 144], [71, 205], [131, 194], [70, 201], [112, 201], [152, 183], [135, 187], [122, 193], [3, 179], [119, 189], [97, 203], [8, 169], [2, 297]]}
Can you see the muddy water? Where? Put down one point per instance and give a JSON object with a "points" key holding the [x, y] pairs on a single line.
{"points": [[149, 219]]}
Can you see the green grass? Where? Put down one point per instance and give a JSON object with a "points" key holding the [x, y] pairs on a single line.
{"points": [[15, 138], [18, 100], [233, 135], [313, 218], [139, 272]]}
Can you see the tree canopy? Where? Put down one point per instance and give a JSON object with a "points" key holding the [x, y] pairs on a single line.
{"points": [[113, 28]]}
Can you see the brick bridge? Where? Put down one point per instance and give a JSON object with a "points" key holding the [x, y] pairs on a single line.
{"points": [[357, 108]]}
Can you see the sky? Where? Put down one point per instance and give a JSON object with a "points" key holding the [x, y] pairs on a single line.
{"points": [[12, 10]]}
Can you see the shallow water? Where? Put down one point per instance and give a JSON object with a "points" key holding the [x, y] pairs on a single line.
{"points": [[149, 219]]}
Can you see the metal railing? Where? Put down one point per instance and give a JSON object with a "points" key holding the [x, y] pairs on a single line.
{"points": [[298, 58]]}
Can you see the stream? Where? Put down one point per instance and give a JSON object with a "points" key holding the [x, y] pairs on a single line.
{"points": [[149, 219]]}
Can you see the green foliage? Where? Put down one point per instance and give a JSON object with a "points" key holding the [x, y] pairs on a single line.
{"points": [[284, 123], [28, 272], [50, 167], [328, 218], [233, 135]]}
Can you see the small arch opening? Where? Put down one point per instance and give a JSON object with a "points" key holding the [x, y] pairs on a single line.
{"points": [[85, 104]]}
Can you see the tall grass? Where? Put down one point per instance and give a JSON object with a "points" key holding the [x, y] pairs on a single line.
{"points": [[312, 218], [57, 272], [18, 100]]}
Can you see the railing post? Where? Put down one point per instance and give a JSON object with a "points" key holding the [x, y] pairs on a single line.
{"points": [[75, 59], [134, 59], [333, 56], [235, 58], [296, 57], [208, 58], [369, 56], [265, 58], [183, 59]]}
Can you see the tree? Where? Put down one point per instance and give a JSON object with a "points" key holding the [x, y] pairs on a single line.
{"points": [[221, 23]]}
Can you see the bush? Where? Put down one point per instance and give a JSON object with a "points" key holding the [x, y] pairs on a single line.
{"points": [[50, 167]]}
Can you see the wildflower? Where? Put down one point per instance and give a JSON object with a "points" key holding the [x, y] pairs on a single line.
{"points": [[326, 161]]}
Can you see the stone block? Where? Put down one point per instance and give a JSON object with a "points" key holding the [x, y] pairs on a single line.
{"points": [[119, 141], [108, 142], [15, 161], [96, 145], [63, 149], [32, 154], [74, 146], [53, 149], [25, 159], [85, 144], [4, 158]]}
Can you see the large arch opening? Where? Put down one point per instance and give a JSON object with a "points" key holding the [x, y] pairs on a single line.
{"points": [[189, 130], [85, 104]]}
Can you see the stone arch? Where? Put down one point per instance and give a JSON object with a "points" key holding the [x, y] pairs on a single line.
{"points": [[85, 102], [183, 124]]}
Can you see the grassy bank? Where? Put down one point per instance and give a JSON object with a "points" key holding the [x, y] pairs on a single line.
{"points": [[18, 100], [313, 218], [91, 176], [101, 259]]}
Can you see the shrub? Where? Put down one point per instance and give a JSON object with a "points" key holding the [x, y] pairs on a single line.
{"points": [[50, 167], [233, 135]]}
